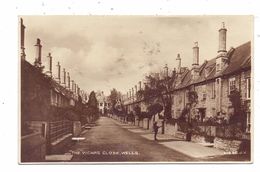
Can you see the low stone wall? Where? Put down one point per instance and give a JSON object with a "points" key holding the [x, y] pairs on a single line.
{"points": [[136, 122], [232, 146], [198, 138], [33, 148], [141, 124], [146, 123], [62, 146], [171, 129], [76, 128]]}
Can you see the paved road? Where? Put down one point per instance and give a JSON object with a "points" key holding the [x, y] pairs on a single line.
{"points": [[110, 142]]}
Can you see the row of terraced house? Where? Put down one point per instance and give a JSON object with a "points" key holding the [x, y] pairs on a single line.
{"points": [[220, 85], [52, 106]]}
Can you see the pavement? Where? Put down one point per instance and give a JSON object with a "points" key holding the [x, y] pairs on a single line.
{"points": [[190, 149]]}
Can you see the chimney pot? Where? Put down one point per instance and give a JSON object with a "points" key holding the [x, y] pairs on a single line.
{"points": [[195, 55], [22, 28], [179, 63], [68, 78], [50, 64], [222, 38], [58, 68], [38, 49]]}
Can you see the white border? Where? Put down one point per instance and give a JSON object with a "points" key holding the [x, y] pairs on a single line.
{"points": [[9, 67]]}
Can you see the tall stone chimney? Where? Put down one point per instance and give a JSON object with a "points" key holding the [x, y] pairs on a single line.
{"points": [[166, 74], [195, 55], [75, 88], [38, 53], [222, 52], [49, 64], [78, 90], [195, 65], [22, 28], [64, 77], [135, 90], [140, 85], [72, 85], [58, 74], [68, 80], [133, 93], [222, 38], [179, 63]]}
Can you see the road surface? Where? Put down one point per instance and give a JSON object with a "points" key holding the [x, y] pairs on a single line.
{"points": [[110, 142]]}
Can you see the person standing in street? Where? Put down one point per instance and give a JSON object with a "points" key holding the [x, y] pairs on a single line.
{"points": [[155, 129]]}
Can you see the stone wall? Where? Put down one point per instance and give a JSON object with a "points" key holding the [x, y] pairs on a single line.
{"points": [[232, 146], [76, 128], [171, 129], [178, 103], [146, 123], [33, 148], [198, 138]]}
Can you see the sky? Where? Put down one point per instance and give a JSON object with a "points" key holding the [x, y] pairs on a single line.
{"points": [[105, 52]]}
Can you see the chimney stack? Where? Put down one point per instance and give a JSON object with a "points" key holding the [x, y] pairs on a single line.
{"points": [[135, 90], [179, 63], [130, 95], [195, 55], [50, 64], [38, 53], [140, 85], [64, 77], [222, 53], [72, 85], [78, 90], [222, 38], [58, 74], [22, 28], [166, 71], [133, 93], [75, 88], [68, 78], [195, 65]]}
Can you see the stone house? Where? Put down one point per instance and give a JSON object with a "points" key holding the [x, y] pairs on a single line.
{"points": [[213, 82]]}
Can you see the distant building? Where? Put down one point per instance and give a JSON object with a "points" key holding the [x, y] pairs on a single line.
{"points": [[103, 103]]}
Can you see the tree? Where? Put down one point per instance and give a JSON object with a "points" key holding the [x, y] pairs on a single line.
{"points": [[159, 88], [92, 108], [239, 116], [116, 103], [154, 109]]}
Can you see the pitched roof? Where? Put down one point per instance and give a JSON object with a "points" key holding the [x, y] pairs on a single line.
{"points": [[239, 59]]}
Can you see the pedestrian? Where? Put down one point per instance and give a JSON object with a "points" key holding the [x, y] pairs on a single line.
{"points": [[155, 129]]}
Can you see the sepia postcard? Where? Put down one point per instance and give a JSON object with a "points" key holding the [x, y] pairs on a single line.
{"points": [[135, 89]]}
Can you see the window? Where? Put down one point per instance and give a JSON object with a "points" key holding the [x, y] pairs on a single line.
{"points": [[248, 128], [213, 90], [232, 84], [248, 88], [101, 104], [204, 96]]}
